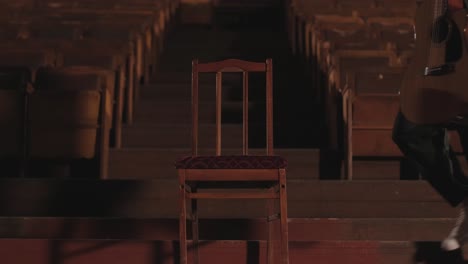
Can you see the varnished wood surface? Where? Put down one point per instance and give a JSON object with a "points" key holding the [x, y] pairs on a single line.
{"points": [[158, 199], [300, 229], [228, 252]]}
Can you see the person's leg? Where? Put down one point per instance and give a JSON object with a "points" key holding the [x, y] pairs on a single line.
{"points": [[428, 146], [459, 234], [451, 245], [462, 131]]}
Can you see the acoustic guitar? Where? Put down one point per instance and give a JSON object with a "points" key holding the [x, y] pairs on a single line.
{"points": [[440, 39], [434, 87], [441, 31]]}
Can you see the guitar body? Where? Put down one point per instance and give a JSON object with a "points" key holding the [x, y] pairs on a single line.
{"points": [[434, 88]]}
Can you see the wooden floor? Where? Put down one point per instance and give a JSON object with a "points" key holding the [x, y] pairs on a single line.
{"points": [[135, 221], [229, 252], [132, 217]]}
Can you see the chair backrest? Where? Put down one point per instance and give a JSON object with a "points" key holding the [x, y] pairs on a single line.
{"points": [[230, 66]]}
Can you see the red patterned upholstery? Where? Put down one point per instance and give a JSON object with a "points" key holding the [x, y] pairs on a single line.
{"points": [[232, 162]]}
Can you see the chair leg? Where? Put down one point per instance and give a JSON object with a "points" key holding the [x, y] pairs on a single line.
{"points": [[195, 229], [130, 90], [284, 218], [182, 218], [271, 230], [104, 139], [119, 108]]}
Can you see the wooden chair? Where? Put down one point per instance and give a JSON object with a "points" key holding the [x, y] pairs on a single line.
{"points": [[264, 176]]}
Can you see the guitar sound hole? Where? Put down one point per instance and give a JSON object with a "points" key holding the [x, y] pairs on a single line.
{"points": [[440, 30]]}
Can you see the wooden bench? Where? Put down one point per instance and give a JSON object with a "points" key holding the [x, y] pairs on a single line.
{"points": [[161, 13], [328, 31], [17, 72], [100, 45], [150, 19], [81, 28], [370, 105], [335, 53], [399, 30], [343, 61], [111, 79], [114, 62], [110, 63], [301, 15], [134, 29], [335, 32], [24, 57], [80, 130], [116, 31], [404, 5], [14, 83]]}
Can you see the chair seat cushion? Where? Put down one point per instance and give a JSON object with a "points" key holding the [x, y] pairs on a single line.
{"points": [[232, 162]]}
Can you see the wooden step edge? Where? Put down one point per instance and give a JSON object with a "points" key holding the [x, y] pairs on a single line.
{"points": [[300, 230]]}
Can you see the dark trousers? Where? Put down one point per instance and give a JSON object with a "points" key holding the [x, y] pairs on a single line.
{"points": [[429, 147]]}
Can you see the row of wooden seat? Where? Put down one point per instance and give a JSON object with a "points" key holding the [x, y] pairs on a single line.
{"points": [[63, 44], [65, 114], [137, 41], [357, 53]]}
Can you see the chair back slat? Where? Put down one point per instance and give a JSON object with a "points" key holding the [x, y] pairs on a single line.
{"points": [[245, 111], [219, 92], [269, 105], [233, 66], [195, 107]]}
